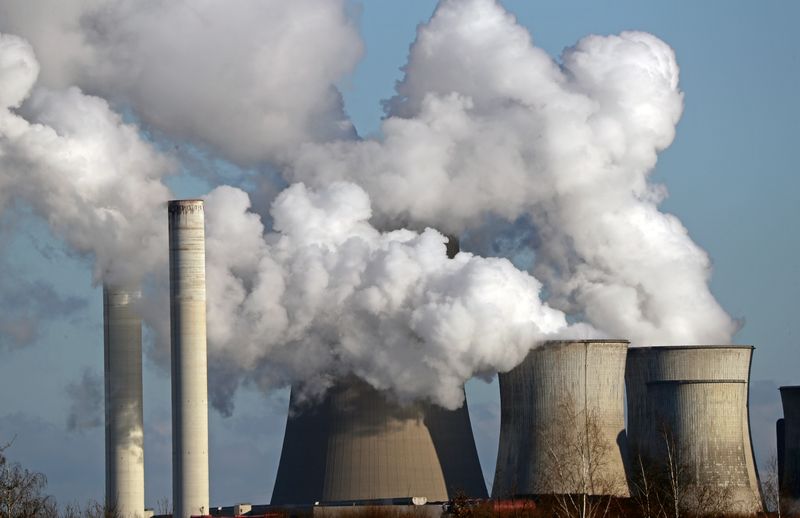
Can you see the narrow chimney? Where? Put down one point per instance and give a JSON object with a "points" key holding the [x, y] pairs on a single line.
{"points": [[187, 282], [122, 344]]}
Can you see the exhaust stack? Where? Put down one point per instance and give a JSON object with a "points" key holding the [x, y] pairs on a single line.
{"points": [[187, 284], [122, 344]]}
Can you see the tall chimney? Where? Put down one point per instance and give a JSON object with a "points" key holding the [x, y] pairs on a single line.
{"points": [[187, 287], [122, 344]]}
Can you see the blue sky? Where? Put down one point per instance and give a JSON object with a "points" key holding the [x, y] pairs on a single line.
{"points": [[731, 175]]}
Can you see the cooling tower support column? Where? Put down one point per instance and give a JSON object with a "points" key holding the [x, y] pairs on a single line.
{"points": [[790, 469], [691, 403], [122, 343], [565, 398], [187, 283]]}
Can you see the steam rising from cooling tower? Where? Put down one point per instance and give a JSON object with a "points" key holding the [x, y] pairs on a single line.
{"points": [[328, 295], [484, 129], [485, 123]]}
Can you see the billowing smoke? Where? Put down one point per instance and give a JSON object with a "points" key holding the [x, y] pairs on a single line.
{"points": [[327, 295], [27, 306], [485, 131], [85, 401], [246, 79], [87, 173], [486, 124]]}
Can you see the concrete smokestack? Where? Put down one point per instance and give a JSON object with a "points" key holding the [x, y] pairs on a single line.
{"points": [[694, 401], [187, 284], [790, 465], [122, 344], [357, 445], [565, 397]]}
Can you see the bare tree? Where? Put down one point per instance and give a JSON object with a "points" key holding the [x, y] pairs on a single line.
{"points": [[21, 491], [577, 458], [647, 487], [770, 486], [683, 490], [163, 506], [675, 471]]}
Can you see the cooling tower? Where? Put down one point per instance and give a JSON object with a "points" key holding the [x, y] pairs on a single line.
{"points": [[564, 400], [187, 285], [790, 465], [356, 445], [691, 403], [122, 343]]}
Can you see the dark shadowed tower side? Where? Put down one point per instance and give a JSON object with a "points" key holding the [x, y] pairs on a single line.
{"points": [[790, 465]]}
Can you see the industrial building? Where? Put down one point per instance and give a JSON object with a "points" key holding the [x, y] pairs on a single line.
{"points": [[789, 449], [357, 445], [562, 421], [187, 290], [688, 408], [122, 344]]}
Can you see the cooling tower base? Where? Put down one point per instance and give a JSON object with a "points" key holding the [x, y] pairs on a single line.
{"points": [[357, 445]]}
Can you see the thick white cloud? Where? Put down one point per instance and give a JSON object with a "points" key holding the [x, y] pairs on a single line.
{"points": [[486, 124], [327, 294], [87, 173], [249, 79]]}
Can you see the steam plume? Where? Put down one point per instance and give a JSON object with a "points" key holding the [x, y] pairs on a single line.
{"points": [[87, 173], [485, 127], [486, 124], [327, 294], [248, 80], [86, 401]]}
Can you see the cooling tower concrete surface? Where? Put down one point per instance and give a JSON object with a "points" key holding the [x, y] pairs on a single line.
{"points": [[122, 343], [790, 479], [564, 395], [189, 360], [692, 401], [357, 445]]}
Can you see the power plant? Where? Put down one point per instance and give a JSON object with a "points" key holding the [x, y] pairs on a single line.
{"points": [[187, 292], [789, 448], [562, 421], [122, 344], [562, 429], [357, 445], [688, 411]]}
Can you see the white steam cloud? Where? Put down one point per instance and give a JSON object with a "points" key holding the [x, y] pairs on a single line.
{"points": [[485, 127], [247, 79], [485, 123], [81, 168], [328, 295]]}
